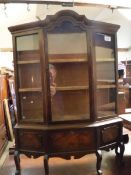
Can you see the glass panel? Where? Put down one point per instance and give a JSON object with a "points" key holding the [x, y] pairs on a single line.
{"points": [[28, 42], [29, 78], [73, 42], [31, 106], [105, 72], [69, 82]]}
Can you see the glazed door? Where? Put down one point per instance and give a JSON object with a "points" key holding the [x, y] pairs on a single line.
{"points": [[68, 73], [28, 65]]}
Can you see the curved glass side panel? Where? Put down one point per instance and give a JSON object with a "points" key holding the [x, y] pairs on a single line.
{"points": [[105, 73]]}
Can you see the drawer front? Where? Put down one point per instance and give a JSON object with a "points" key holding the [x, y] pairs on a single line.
{"points": [[29, 140], [110, 134], [71, 140], [127, 124]]}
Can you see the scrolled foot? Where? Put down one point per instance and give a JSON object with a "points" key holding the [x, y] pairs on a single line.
{"points": [[98, 163], [99, 172], [17, 162], [120, 152], [17, 173], [46, 166]]}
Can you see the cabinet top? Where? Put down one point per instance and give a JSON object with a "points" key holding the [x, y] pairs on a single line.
{"points": [[67, 15], [70, 126]]}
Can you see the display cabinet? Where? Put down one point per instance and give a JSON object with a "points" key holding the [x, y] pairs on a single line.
{"points": [[66, 88]]}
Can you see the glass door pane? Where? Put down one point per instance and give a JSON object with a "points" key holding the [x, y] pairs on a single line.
{"points": [[68, 70], [29, 77], [105, 73]]}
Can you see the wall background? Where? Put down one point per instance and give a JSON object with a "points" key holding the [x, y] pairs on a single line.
{"points": [[13, 14]]}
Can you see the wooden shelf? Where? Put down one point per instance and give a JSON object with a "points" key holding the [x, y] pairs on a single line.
{"points": [[68, 88], [106, 81], [30, 90], [104, 60], [105, 86], [105, 113], [33, 120], [72, 60], [28, 62], [68, 58], [73, 117]]}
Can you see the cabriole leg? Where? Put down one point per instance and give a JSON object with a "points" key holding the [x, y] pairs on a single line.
{"points": [[46, 166], [98, 163], [120, 152], [17, 162]]}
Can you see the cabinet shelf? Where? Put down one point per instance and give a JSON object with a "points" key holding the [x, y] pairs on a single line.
{"points": [[105, 86], [68, 88], [72, 60], [105, 59], [73, 117], [34, 120], [30, 89], [65, 58], [29, 62], [105, 81], [106, 113]]}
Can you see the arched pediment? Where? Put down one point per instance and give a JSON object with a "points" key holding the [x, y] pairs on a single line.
{"points": [[66, 20]]}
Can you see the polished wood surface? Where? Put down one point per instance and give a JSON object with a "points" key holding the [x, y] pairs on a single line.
{"points": [[85, 165], [121, 102], [126, 120], [28, 55]]}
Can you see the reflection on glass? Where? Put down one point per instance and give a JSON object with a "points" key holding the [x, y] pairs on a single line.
{"points": [[52, 74], [29, 76], [68, 70], [105, 72]]}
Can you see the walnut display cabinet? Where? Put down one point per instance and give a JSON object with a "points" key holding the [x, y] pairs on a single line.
{"points": [[66, 88]]}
